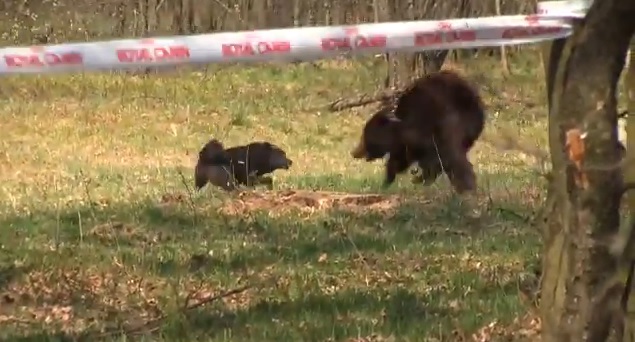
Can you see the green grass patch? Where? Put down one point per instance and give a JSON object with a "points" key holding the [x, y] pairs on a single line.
{"points": [[101, 232]]}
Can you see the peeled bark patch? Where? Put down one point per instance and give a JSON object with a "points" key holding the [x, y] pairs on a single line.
{"points": [[575, 149]]}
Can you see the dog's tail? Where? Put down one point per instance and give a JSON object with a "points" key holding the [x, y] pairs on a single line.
{"points": [[213, 153]]}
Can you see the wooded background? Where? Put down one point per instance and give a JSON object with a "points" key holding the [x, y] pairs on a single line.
{"points": [[58, 21]]}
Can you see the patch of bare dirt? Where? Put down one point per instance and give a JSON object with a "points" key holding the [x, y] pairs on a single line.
{"points": [[278, 203]]}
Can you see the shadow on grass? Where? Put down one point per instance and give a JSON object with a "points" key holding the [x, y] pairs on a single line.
{"points": [[9, 271], [162, 241], [322, 316], [314, 317], [255, 238]]}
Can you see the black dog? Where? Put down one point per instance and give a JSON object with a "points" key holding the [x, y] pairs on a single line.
{"points": [[213, 166], [240, 165]]}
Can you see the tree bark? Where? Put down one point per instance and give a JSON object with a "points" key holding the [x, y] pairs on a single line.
{"points": [[503, 48], [151, 17], [580, 297], [628, 301]]}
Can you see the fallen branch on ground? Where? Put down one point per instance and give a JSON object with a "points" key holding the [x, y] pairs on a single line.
{"points": [[362, 100]]}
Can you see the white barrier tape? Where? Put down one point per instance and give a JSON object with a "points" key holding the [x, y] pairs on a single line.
{"points": [[294, 44], [567, 9]]}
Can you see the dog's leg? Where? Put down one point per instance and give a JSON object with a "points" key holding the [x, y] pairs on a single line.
{"points": [[200, 177], [252, 179], [229, 183], [264, 180]]}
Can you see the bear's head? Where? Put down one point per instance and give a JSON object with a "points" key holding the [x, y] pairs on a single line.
{"points": [[377, 136]]}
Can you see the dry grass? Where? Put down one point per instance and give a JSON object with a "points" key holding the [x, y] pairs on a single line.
{"points": [[102, 234]]}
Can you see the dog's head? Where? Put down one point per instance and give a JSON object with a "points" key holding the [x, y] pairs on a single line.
{"points": [[377, 136], [278, 157]]}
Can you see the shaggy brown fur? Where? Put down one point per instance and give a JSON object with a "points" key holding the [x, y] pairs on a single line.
{"points": [[435, 123]]}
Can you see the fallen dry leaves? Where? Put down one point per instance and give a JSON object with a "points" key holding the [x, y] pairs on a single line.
{"points": [[525, 328], [372, 338], [73, 299], [79, 301]]}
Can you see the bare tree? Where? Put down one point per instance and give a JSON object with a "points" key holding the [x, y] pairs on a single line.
{"points": [[582, 288]]}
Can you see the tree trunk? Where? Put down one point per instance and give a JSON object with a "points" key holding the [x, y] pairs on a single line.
{"points": [[503, 48], [151, 17], [141, 22], [629, 176], [122, 16], [381, 13], [580, 295]]}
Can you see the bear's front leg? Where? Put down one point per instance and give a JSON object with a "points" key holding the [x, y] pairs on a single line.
{"points": [[264, 180], [396, 164]]}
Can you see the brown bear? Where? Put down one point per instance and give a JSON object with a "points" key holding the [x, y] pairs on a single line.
{"points": [[435, 122], [240, 165]]}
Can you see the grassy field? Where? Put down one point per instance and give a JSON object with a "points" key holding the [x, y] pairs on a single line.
{"points": [[103, 238]]}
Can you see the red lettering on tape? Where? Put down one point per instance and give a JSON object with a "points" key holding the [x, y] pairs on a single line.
{"points": [[153, 54], [428, 38], [445, 33], [354, 42], [444, 25], [460, 36], [440, 37], [256, 48], [525, 32], [531, 31], [532, 19], [43, 59], [351, 30]]}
